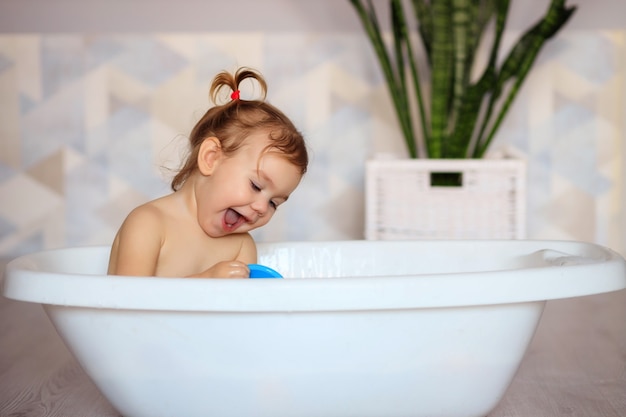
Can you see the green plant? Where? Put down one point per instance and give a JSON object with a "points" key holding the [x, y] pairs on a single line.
{"points": [[464, 114]]}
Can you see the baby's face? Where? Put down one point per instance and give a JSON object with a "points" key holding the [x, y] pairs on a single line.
{"points": [[246, 189]]}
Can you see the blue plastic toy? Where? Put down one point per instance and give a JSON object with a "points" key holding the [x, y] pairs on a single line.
{"points": [[262, 271]]}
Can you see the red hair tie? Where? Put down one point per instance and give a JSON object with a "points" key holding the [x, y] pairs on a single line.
{"points": [[235, 95]]}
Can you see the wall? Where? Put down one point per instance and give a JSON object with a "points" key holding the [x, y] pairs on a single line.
{"points": [[98, 96]]}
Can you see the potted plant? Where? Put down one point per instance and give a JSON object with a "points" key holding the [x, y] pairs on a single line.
{"points": [[445, 113]]}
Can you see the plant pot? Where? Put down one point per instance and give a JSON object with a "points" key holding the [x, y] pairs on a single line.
{"points": [[445, 199]]}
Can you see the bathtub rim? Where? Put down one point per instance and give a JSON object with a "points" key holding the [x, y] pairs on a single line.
{"points": [[23, 282]]}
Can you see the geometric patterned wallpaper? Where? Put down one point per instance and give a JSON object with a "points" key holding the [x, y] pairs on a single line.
{"points": [[91, 126]]}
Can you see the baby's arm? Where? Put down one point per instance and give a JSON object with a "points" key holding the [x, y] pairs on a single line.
{"points": [[137, 245], [236, 268]]}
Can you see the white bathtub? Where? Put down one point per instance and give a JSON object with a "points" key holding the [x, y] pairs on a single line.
{"points": [[385, 329]]}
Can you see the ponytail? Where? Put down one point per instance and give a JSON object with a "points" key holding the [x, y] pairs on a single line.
{"points": [[234, 121]]}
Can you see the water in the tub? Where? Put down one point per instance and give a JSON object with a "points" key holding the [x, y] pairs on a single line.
{"points": [[308, 262]]}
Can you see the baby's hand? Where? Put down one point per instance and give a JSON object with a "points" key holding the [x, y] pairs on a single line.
{"points": [[227, 269]]}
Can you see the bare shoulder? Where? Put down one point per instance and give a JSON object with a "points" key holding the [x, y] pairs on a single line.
{"points": [[245, 238], [247, 251], [148, 213], [145, 225], [155, 212], [136, 248]]}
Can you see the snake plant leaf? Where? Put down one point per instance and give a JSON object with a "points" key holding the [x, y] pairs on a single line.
{"points": [[464, 115], [483, 90], [460, 14], [520, 60], [481, 14], [399, 39], [442, 77], [370, 23], [469, 114], [423, 14], [399, 21]]}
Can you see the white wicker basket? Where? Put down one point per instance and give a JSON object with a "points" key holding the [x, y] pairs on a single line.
{"points": [[401, 203]]}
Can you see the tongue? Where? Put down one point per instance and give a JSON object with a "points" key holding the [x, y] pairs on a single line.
{"points": [[231, 217]]}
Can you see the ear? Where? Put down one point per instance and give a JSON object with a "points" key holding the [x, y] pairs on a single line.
{"points": [[209, 155]]}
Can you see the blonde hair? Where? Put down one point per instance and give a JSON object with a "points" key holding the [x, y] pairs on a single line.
{"points": [[232, 123]]}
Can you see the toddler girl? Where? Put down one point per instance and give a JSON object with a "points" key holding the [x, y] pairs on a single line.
{"points": [[246, 159]]}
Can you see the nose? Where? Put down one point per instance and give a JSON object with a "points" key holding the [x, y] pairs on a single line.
{"points": [[260, 206]]}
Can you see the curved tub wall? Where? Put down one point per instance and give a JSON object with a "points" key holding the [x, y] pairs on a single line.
{"points": [[417, 329], [422, 362]]}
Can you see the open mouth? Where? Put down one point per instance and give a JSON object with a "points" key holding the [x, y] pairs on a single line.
{"points": [[232, 220]]}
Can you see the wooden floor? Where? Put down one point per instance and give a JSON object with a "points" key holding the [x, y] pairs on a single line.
{"points": [[575, 367]]}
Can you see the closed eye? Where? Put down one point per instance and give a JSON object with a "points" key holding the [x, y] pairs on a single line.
{"points": [[257, 189]]}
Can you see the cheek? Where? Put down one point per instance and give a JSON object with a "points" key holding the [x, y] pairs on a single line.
{"points": [[265, 219], [233, 188]]}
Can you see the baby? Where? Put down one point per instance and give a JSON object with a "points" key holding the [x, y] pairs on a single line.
{"points": [[246, 159]]}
